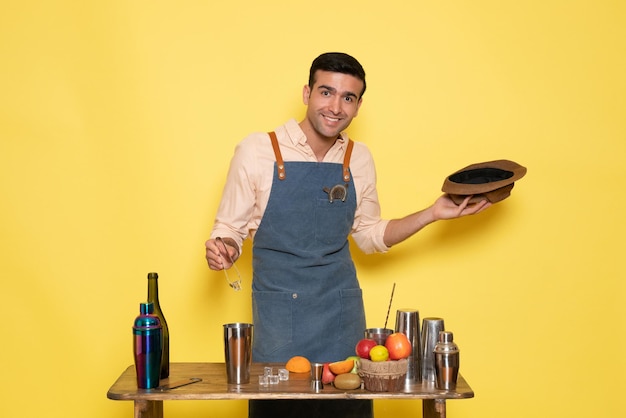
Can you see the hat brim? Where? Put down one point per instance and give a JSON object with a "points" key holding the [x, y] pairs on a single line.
{"points": [[491, 180]]}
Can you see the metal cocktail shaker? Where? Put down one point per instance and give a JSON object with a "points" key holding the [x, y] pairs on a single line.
{"points": [[238, 352], [430, 334], [408, 323], [446, 361], [147, 347]]}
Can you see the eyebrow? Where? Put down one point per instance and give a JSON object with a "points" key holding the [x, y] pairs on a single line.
{"points": [[334, 90]]}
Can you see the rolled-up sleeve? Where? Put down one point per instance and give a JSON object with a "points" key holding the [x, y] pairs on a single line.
{"points": [[368, 229]]}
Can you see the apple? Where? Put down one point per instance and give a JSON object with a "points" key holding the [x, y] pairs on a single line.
{"points": [[398, 345], [327, 375], [379, 353], [363, 347]]}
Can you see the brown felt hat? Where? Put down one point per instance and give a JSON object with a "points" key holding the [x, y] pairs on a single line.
{"points": [[491, 180]]}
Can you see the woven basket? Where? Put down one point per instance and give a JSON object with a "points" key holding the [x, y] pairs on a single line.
{"points": [[383, 376]]}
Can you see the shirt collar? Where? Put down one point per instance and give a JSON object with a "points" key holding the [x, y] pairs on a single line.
{"points": [[297, 136]]}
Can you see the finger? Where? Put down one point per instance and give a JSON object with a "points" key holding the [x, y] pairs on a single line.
{"points": [[486, 204], [478, 207], [461, 209], [211, 247], [214, 261], [213, 255], [222, 249], [218, 250], [465, 201], [215, 266]]}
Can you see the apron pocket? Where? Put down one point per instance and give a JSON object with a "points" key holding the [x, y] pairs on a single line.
{"points": [[333, 222], [272, 314], [352, 318]]}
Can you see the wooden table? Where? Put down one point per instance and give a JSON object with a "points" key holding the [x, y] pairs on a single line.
{"points": [[149, 402]]}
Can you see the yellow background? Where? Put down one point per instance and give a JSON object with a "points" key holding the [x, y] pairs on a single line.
{"points": [[118, 120]]}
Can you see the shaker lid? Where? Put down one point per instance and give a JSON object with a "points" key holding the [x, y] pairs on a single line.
{"points": [[446, 337], [146, 320], [146, 308], [445, 343]]}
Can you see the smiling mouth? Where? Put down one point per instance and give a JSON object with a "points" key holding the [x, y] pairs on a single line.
{"points": [[331, 119]]}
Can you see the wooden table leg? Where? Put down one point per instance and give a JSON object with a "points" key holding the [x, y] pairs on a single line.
{"points": [[434, 408], [148, 409]]}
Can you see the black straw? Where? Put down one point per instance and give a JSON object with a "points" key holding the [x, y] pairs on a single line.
{"points": [[390, 300]]}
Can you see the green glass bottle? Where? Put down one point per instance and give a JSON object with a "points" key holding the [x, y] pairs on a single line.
{"points": [[153, 296]]}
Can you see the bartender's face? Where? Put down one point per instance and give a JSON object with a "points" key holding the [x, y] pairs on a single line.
{"points": [[333, 102]]}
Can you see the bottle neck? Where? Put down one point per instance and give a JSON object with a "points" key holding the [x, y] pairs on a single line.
{"points": [[153, 290]]}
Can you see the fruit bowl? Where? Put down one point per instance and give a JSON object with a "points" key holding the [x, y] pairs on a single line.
{"points": [[383, 376]]}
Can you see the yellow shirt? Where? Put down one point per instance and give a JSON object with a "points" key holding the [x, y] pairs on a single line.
{"points": [[249, 182]]}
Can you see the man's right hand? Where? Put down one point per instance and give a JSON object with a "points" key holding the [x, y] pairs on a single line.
{"points": [[220, 252]]}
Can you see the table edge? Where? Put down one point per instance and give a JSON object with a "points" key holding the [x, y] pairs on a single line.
{"points": [[162, 396]]}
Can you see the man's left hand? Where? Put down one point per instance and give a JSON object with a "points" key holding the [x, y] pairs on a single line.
{"points": [[445, 208]]}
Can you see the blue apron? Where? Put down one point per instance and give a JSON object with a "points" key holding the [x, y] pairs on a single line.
{"points": [[306, 298]]}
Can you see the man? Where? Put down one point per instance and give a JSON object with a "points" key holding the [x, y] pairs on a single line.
{"points": [[306, 297]]}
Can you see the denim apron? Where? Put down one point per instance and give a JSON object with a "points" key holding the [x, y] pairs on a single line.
{"points": [[306, 298]]}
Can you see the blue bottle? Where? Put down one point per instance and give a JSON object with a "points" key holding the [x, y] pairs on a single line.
{"points": [[147, 347]]}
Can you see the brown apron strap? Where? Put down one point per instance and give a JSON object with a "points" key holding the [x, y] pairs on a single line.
{"points": [[280, 164], [346, 161]]}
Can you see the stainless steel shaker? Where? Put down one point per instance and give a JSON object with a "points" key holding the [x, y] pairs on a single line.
{"points": [[238, 352], [430, 333], [407, 322], [446, 361]]}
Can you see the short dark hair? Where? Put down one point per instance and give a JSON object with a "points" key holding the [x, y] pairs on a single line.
{"points": [[337, 62]]}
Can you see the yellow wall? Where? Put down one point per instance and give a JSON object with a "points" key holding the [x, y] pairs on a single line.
{"points": [[118, 119]]}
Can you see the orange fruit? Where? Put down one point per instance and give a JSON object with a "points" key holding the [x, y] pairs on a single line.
{"points": [[343, 366], [298, 364]]}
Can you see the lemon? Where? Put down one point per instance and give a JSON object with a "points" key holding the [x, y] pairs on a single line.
{"points": [[379, 353]]}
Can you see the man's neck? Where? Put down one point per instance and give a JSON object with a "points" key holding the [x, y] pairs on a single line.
{"points": [[319, 144]]}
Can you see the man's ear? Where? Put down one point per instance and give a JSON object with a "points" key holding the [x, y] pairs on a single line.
{"points": [[306, 93]]}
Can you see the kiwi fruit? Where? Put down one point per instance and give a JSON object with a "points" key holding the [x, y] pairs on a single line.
{"points": [[347, 381]]}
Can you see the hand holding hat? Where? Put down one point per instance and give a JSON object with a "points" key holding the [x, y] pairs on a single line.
{"points": [[492, 180]]}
